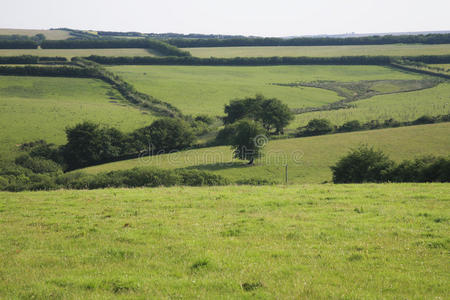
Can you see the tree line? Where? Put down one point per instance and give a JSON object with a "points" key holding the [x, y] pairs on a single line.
{"points": [[324, 126], [312, 41], [30, 59], [241, 61]]}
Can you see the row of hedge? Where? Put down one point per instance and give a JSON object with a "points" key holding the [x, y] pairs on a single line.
{"points": [[241, 61], [15, 177], [313, 41], [31, 59], [261, 61], [324, 126]]}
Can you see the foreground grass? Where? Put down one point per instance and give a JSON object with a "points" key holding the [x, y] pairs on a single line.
{"points": [[41, 107], [308, 159], [307, 242], [69, 53], [206, 89], [322, 51]]}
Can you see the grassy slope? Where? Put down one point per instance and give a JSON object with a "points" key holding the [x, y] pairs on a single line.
{"points": [[300, 242], [308, 158], [49, 34], [390, 50], [41, 107], [69, 53], [402, 107], [195, 89]]}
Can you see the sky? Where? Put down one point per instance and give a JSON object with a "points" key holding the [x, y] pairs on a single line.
{"points": [[237, 17]]}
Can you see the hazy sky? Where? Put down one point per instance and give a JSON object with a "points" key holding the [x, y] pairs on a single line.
{"points": [[247, 17]]}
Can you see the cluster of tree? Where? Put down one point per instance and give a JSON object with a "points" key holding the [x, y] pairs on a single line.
{"points": [[365, 164], [313, 41], [89, 143], [31, 173], [324, 126], [249, 121], [241, 61], [159, 46], [271, 113], [30, 59], [428, 59]]}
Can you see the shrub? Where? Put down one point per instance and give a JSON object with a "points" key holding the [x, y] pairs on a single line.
{"points": [[350, 126], [363, 164], [423, 169], [424, 120], [200, 178], [4, 182], [316, 127], [37, 164]]}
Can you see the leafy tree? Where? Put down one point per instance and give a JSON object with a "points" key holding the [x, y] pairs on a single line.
{"points": [[276, 114], [87, 144], [169, 134], [248, 140], [243, 108], [363, 164], [272, 113]]}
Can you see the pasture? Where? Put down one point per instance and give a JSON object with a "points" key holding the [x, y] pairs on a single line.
{"points": [[42, 107], [49, 34], [385, 241], [322, 51], [406, 106], [69, 53], [308, 158], [206, 89]]}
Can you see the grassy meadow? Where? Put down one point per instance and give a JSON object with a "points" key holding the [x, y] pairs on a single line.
{"points": [[322, 51], [308, 158], [205, 89], [385, 241], [49, 34], [69, 53], [41, 107], [406, 106]]}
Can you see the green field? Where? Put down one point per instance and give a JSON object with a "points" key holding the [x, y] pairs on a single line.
{"points": [[322, 51], [308, 159], [402, 107], [69, 53], [200, 89], [49, 34], [41, 107], [387, 241]]}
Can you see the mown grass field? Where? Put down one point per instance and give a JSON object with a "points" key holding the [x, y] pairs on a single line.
{"points": [[200, 89], [41, 107], [322, 51], [386, 241], [308, 159], [49, 34], [69, 53], [401, 106]]}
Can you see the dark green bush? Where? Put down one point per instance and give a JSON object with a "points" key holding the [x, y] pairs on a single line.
{"points": [[363, 164], [38, 165], [316, 127]]}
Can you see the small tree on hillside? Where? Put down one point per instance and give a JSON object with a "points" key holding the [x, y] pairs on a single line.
{"points": [[275, 114], [248, 140]]}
